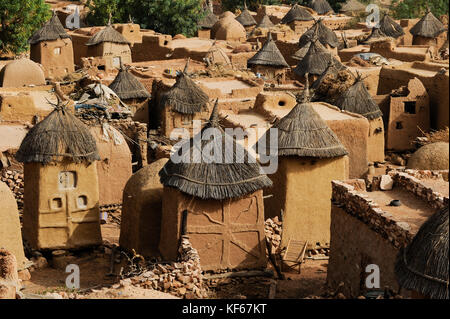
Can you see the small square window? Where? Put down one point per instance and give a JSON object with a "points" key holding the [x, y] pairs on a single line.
{"points": [[82, 201], [57, 51], [56, 203], [398, 125], [410, 107]]}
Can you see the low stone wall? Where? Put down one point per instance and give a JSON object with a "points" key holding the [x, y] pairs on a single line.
{"points": [[14, 180], [183, 278]]}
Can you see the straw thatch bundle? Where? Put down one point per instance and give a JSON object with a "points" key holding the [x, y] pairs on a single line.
{"points": [[428, 27], [375, 36], [296, 13], [300, 53], [334, 81], [321, 6], [422, 266], [185, 96], [352, 6], [324, 34], [315, 60], [245, 18], [217, 56], [302, 132], [52, 30], [208, 20], [127, 86], [107, 34], [358, 100], [391, 28], [228, 174], [265, 23], [59, 135], [269, 55]]}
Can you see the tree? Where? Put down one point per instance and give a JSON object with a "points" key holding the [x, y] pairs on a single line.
{"points": [[408, 9], [232, 5], [18, 20], [101, 10]]}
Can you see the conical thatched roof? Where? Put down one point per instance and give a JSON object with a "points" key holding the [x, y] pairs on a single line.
{"points": [[358, 100], [324, 34], [300, 53], [59, 135], [52, 30], [245, 18], [296, 13], [185, 96], [332, 68], [352, 6], [302, 132], [320, 6], [127, 86], [429, 26], [208, 20], [422, 266], [269, 55], [375, 36], [265, 22], [217, 55], [391, 28], [315, 60], [107, 34], [228, 173]]}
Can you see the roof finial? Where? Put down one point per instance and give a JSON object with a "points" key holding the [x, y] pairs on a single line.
{"points": [[186, 66], [109, 19], [245, 5], [214, 118], [130, 19], [305, 96], [269, 36]]}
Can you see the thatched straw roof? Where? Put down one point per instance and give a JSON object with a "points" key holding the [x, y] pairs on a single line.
{"points": [[52, 30], [269, 55], [296, 13], [216, 55], [127, 86], [265, 22], [229, 173], [185, 96], [245, 18], [428, 27], [315, 60], [107, 34], [324, 34], [332, 69], [302, 132], [375, 36], [352, 6], [208, 20], [422, 266], [59, 135], [320, 6], [300, 53], [391, 28], [358, 100]]}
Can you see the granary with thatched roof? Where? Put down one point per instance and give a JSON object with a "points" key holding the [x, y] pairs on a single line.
{"points": [[422, 266], [206, 23], [52, 47], [352, 7], [217, 56], [310, 156], [228, 29], [357, 99], [265, 23], [61, 195], [427, 30], [269, 61], [402, 228], [376, 35], [326, 37], [111, 46], [298, 18], [391, 28], [314, 59], [213, 194], [132, 92], [246, 18], [321, 6], [182, 104]]}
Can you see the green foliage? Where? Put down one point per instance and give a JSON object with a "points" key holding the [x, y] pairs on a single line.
{"points": [[18, 20], [337, 4], [233, 5], [409, 9], [100, 11]]}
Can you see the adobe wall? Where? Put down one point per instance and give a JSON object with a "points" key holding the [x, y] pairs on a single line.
{"points": [[80, 49], [375, 149], [55, 64], [378, 238], [153, 47], [388, 50], [287, 49], [109, 51]]}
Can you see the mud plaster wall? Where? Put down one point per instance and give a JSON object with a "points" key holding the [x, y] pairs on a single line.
{"points": [[56, 216], [10, 230], [56, 57], [21, 108], [113, 53], [227, 234], [388, 50], [375, 149], [302, 190], [153, 47]]}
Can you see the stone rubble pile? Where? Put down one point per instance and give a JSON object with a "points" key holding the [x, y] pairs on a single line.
{"points": [[272, 229], [183, 278], [14, 180]]}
